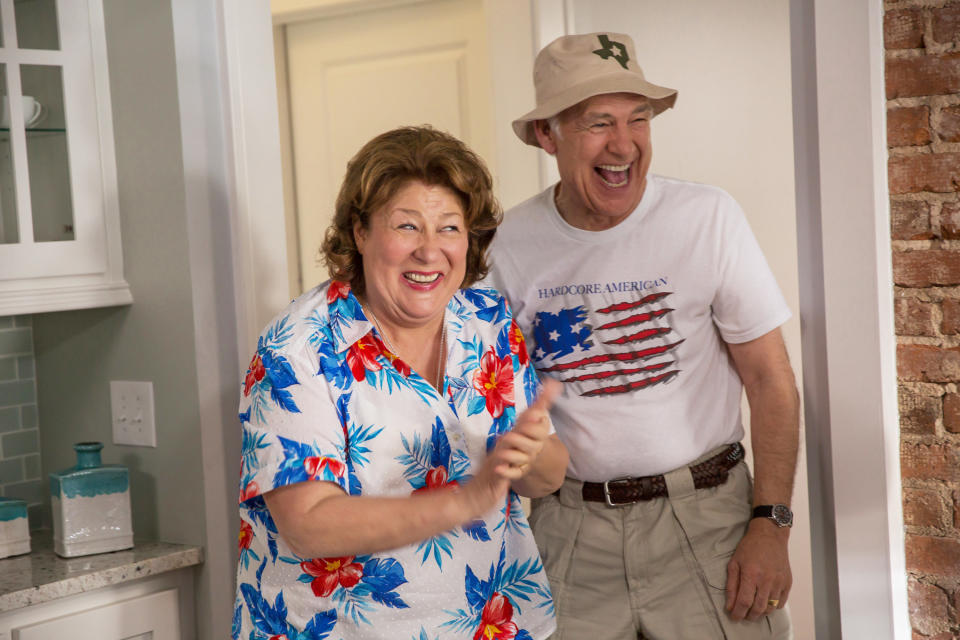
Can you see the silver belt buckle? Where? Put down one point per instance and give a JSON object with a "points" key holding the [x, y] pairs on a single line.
{"points": [[606, 492]]}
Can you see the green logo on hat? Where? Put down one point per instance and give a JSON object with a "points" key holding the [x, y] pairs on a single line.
{"points": [[613, 49]]}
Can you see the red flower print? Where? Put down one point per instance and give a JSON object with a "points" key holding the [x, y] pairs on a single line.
{"points": [[336, 290], [495, 623], [246, 535], [398, 364], [329, 572], [255, 373], [362, 355], [252, 490], [436, 479], [314, 466], [518, 344], [494, 381]]}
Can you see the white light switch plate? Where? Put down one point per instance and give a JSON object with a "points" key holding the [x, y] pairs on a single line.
{"points": [[131, 407]]}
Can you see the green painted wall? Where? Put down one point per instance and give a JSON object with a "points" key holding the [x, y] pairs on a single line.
{"points": [[79, 352]]}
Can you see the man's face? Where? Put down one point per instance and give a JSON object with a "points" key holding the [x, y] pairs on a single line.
{"points": [[603, 152]]}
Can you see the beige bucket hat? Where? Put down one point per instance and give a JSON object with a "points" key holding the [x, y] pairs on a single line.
{"points": [[573, 68]]}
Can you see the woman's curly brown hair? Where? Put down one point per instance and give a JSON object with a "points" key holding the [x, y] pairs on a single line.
{"points": [[388, 163]]}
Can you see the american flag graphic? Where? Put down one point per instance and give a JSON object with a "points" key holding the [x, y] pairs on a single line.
{"points": [[631, 348]]}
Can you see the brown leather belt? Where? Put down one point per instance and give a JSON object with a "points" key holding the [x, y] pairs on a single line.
{"points": [[622, 491]]}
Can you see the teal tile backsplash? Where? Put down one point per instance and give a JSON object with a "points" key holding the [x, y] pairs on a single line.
{"points": [[19, 434]]}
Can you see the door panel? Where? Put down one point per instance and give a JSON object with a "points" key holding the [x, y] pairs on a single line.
{"points": [[355, 76]]}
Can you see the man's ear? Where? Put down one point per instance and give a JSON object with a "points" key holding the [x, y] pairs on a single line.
{"points": [[545, 136]]}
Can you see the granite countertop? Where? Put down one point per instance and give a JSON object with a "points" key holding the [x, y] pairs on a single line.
{"points": [[42, 575]]}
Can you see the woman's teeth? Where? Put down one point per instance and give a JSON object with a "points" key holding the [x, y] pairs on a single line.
{"points": [[422, 278]]}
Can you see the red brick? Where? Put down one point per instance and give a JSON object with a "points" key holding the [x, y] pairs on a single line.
{"points": [[937, 172], [923, 76], [927, 363], [933, 556], [946, 24], [918, 414], [950, 310], [914, 317], [929, 608], [903, 29], [910, 220], [951, 412], [930, 462], [922, 508], [908, 126], [950, 221], [948, 126], [926, 267], [946, 635]]}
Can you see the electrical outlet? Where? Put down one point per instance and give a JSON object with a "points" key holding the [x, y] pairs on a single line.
{"points": [[131, 406]]}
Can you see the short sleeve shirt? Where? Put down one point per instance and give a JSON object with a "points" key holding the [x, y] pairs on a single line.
{"points": [[635, 321], [325, 400]]}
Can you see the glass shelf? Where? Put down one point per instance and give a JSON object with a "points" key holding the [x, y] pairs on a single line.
{"points": [[31, 129]]}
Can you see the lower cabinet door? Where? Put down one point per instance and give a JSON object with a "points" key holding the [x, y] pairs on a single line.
{"points": [[150, 617]]}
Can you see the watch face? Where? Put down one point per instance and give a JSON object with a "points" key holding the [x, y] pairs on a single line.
{"points": [[782, 515]]}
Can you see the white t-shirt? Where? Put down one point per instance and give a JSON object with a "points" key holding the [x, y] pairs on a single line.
{"points": [[634, 320]]}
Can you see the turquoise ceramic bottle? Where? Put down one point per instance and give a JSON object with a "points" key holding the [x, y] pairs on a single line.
{"points": [[14, 530], [91, 505]]}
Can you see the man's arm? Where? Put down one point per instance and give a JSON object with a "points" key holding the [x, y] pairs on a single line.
{"points": [[760, 567]]}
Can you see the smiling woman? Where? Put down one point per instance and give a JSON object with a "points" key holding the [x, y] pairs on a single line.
{"points": [[391, 419]]}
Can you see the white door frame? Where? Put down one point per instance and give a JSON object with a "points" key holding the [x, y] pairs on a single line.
{"points": [[846, 300], [847, 317]]}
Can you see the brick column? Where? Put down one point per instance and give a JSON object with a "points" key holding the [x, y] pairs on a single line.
{"points": [[922, 40]]}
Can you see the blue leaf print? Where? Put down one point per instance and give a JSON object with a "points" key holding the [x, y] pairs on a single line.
{"points": [[284, 400], [477, 404], [389, 599], [477, 530], [235, 622], [383, 574], [280, 372], [277, 335], [440, 451], [431, 547], [523, 635], [531, 386], [458, 388], [267, 619], [245, 416], [503, 346], [252, 443], [477, 591], [495, 313], [333, 368], [321, 625], [473, 351]]}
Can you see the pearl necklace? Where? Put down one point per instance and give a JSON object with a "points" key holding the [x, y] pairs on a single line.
{"points": [[440, 355]]}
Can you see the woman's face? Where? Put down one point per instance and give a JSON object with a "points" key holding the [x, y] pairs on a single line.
{"points": [[414, 254]]}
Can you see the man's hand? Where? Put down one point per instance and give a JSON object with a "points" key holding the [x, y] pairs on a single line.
{"points": [[759, 571]]}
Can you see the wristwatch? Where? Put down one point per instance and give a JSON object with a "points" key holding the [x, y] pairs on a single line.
{"points": [[779, 513]]}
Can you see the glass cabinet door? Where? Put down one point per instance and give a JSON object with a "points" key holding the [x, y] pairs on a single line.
{"points": [[51, 201]]}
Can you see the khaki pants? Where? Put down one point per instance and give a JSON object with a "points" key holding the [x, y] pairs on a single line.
{"points": [[654, 570]]}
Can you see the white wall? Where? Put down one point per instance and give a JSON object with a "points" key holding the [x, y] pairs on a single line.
{"points": [[733, 127]]}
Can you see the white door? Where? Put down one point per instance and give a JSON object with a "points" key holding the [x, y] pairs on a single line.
{"points": [[354, 76]]}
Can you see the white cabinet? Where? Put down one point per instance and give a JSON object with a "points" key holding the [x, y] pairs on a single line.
{"points": [[59, 218], [154, 608]]}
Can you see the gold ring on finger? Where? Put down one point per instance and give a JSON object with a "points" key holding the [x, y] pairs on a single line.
{"points": [[773, 602]]}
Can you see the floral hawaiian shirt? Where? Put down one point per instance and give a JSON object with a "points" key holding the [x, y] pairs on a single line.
{"points": [[324, 399]]}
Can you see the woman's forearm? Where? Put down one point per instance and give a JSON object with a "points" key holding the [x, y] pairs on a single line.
{"points": [[317, 520]]}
